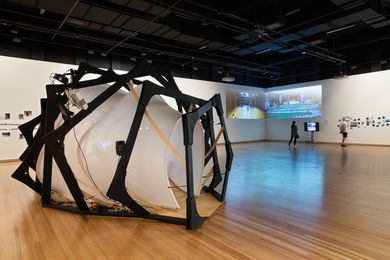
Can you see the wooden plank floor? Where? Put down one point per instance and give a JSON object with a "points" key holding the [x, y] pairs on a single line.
{"points": [[311, 202]]}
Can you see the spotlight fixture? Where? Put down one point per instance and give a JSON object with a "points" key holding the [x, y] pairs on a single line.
{"points": [[195, 68], [149, 61], [143, 53], [228, 78], [341, 75], [17, 40], [91, 52], [133, 59], [103, 54]]}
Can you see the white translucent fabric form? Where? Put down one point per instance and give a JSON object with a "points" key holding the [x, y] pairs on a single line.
{"points": [[158, 152]]}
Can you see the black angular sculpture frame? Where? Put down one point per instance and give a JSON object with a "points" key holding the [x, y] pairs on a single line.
{"points": [[52, 141]]}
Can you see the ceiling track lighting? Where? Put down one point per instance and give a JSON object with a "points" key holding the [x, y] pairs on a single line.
{"points": [[293, 12], [340, 29], [263, 51]]}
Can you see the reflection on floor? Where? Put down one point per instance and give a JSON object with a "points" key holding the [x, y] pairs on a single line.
{"points": [[309, 202]]}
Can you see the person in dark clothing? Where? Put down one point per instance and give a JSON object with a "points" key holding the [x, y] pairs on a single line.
{"points": [[294, 133]]}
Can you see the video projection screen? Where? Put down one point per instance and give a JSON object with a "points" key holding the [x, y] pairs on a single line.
{"points": [[294, 103], [242, 104]]}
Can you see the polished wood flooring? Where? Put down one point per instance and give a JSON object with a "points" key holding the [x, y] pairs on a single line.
{"points": [[312, 202]]}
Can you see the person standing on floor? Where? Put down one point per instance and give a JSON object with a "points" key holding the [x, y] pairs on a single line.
{"points": [[344, 131], [294, 133]]}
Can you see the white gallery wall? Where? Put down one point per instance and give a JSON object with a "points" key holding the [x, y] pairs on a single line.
{"points": [[366, 95], [22, 85], [358, 96]]}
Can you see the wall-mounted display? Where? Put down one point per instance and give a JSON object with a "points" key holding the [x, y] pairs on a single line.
{"points": [[303, 102], [311, 126], [245, 104]]}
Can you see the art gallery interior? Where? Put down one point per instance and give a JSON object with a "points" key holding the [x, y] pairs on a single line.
{"points": [[159, 129]]}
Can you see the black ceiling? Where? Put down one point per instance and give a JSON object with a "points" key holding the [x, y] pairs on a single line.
{"points": [[260, 42]]}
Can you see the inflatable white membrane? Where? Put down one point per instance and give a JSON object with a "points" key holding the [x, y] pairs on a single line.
{"points": [[158, 153]]}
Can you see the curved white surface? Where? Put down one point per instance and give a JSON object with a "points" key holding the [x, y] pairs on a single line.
{"points": [[151, 161], [72, 151]]}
